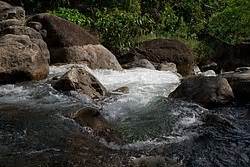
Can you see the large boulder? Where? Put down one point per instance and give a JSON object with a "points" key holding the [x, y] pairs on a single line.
{"points": [[21, 59], [23, 53], [80, 80], [229, 57], [163, 50], [69, 43], [21, 30], [8, 11], [206, 91], [240, 83]]}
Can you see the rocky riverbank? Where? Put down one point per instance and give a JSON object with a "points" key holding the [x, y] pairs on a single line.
{"points": [[65, 100]]}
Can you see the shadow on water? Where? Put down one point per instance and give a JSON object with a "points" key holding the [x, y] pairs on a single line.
{"points": [[43, 138]]}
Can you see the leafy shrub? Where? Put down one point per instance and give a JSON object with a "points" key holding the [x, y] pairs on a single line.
{"points": [[168, 20], [232, 25], [120, 29], [74, 16]]}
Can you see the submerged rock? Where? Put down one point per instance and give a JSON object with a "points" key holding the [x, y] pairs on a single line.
{"points": [[121, 90], [163, 50], [92, 118], [78, 79], [240, 83], [206, 91], [69, 43]]}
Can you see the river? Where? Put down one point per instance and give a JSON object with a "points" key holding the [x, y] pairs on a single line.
{"points": [[35, 131]]}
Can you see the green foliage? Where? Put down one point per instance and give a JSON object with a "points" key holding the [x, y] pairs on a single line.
{"points": [[232, 25], [120, 29], [122, 23], [133, 6], [168, 20], [74, 16]]}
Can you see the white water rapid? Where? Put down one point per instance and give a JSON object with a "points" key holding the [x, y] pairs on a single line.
{"points": [[145, 113]]}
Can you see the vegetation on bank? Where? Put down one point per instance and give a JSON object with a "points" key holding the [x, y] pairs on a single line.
{"points": [[121, 24]]}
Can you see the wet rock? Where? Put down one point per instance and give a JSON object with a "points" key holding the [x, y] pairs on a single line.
{"points": [[143, 63], [69, 43], [91, 117], [167, 67], [78, 79], [163, 50], [210, 66], [206, 91], [121, 90], [196, 70], [242, 69], [208, 73], [21, 59], [240, 83]]}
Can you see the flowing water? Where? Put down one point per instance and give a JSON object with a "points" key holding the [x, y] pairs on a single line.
{"points": [[35, 129]]}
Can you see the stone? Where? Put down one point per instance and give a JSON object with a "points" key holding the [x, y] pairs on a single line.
{"points": [[35, 25], [95, 56], [240, 83], [168, 67], [142, 63], [206, 91], [163, 50], [92, 118], [8, 11], [80, 80], [209, 66], [70, 43], [21, 59], [10, 22], [229, 57], [196, 70], [22, 30], [208, 73], [120, 91]]}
